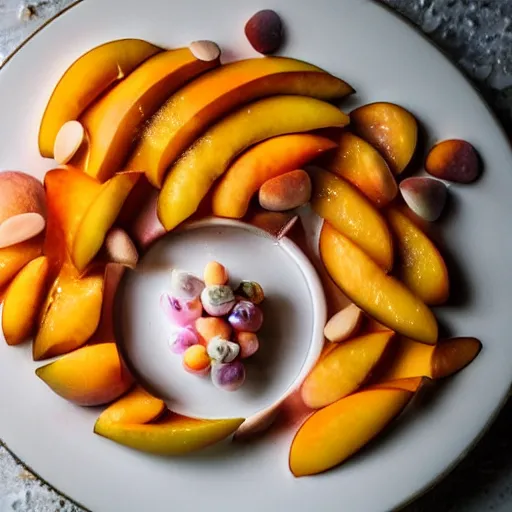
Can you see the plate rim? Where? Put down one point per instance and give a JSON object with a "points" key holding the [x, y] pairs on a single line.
{"points": [[434, 481]]}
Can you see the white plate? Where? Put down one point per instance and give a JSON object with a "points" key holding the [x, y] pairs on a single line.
{"points": [[384, 59]]}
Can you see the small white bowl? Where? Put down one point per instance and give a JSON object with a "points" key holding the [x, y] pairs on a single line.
{"points": [[291, 339]]}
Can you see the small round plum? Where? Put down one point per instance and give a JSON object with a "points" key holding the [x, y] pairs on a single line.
{"points": [[265, 31]]}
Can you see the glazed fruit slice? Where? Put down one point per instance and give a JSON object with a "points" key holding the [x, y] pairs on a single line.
{"points": [[421, 266], [90, 376], [23, 301], [85, 80], [389, 128], [333, 434], [191, 177], [412, 359], [137, 407], [382, 297], [70, 314], [361, 164], [269, 159], [113, 121], [191, 110], [170, 435], [344, 369], [352, 214], [15, 257], [85, 209]]}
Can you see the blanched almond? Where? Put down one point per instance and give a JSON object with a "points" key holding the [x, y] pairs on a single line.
{"points": [[68, 141], [343, 324]]}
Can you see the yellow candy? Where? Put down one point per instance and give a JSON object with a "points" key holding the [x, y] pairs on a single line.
{"points": [[196, 360], [215, 274]]}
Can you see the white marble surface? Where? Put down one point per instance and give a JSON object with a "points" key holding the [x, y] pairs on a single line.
{"points": [[477, 34]]}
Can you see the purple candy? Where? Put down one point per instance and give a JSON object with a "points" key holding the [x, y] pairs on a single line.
{"points": [[183, 338], [246, 316], [228, 376], [181, 312]]}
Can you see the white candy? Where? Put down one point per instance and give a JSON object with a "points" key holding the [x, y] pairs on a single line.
{"points": [[426, 197], [221, 350]]}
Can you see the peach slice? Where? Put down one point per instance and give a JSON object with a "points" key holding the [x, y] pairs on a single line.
{"points": [[23, 300], [344, 369], [113, 121], [191, 110], [86, 209], [15, 257], [333, 434], [389, 128], [361, 164], [383, 297], [421, 266], [171, 435], [70, 314], [90, 376], [412, 359], [343, 324], [453, 160], [264, 161], [85, 80], [352, 214], [191, 177], [22, 207], [137, 407]]}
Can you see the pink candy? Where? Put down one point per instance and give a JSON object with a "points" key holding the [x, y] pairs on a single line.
{"points": [[183, 338], [181, 312]]}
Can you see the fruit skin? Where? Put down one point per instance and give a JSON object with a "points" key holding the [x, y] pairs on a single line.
{"points": [[264, 31], [333, 434], [90, 376], [205, 100], [380, 296], [260, 163], [23, 301], [361, 164], [112, 122], [344, 369], [346, 209], [453, 160], [192, 176], [286, 192], [70, 313], [412, 359], [85, 80], [426, 197], [22, 202], [137, 407], [344, 324], [421, 266], [15, 257], [171, 435], [390, 129]]}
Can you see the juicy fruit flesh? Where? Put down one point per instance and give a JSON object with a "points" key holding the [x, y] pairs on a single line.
{"points": [[266, 160], [189, 112], [381, 296], [344, 369], [352, 214], [192, 176], [334, 433], [85, 80], [422, 267]]}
